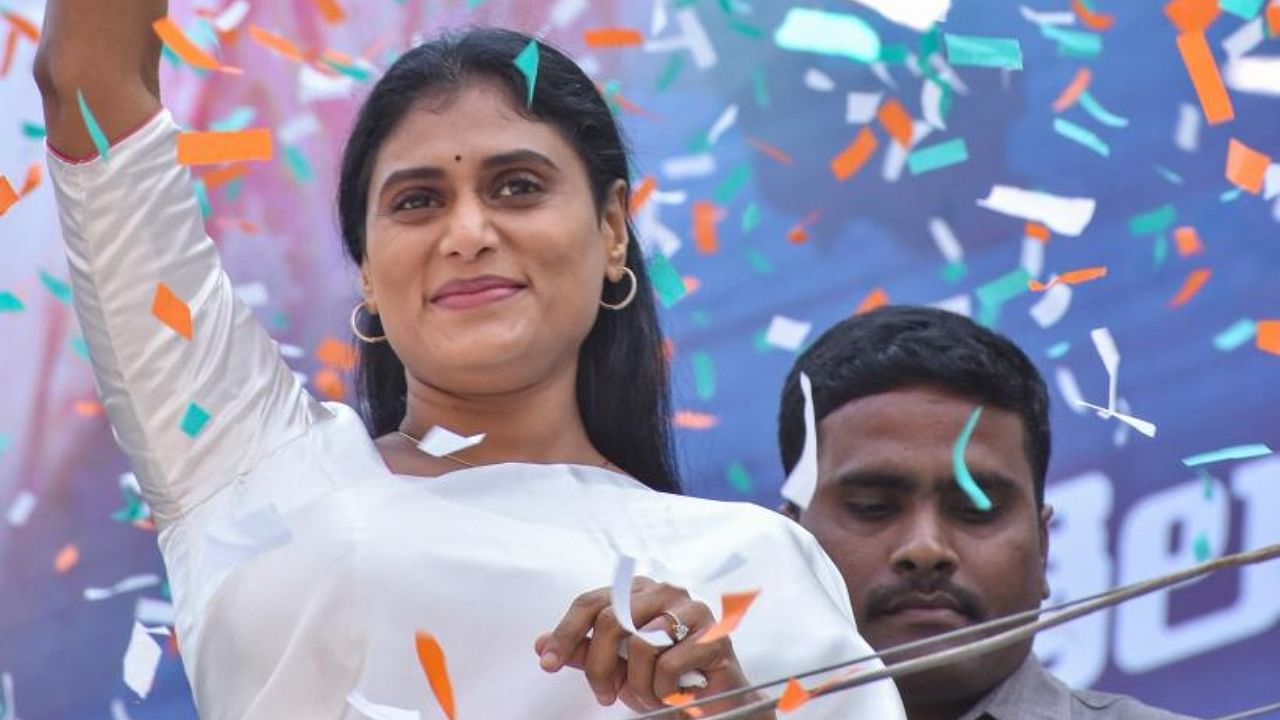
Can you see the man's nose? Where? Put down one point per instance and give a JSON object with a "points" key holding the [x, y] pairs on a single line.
{"points": [[925, 547]]}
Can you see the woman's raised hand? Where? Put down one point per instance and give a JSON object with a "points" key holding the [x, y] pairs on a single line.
{"points": [[622, 666]]}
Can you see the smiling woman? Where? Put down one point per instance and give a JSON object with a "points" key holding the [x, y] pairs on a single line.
{"points": [[317, 571]]}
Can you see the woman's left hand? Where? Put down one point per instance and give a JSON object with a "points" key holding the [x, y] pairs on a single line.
{"points": [[589, 638]]}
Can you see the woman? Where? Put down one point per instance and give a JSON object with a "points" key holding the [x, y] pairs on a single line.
{"points": [[503, 293]]}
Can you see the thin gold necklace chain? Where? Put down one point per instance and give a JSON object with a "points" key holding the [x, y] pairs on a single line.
{"points": [[605, 465]]}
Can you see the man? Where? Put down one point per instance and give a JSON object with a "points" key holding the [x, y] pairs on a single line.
{"points": [[892, 391]]}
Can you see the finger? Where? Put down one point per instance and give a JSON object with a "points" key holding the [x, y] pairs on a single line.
{"points": [[716, 660], [572, 628], [602, 666], [641, 657]]}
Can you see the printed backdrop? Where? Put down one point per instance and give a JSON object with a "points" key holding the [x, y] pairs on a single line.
{"points": [[792, 175]]}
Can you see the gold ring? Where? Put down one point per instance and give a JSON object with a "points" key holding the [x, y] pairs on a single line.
{"points": [[679, 631]]}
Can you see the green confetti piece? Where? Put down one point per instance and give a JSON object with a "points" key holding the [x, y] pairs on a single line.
{"points": [[1074, 43], [298, 165], [34, 131], [953, 272], [1243, 9], [930, 43], [759, 261], [746, 29], [194, 420], [699, 143], [1160, 250], [233, 189], [760, 341], [739, 478], [978, 51], [355, 72], [666, 281], [473, 4], [1206, 483], [731, 185], [1236, 452], [760, 89], [1153, 221], [961, 469], [95, 130], [5, 442], [238, 119], [1083, 136], [202, 197], [59, 288], [701, 318], [172, 58], [527, 63], [1230, 195], [938, 155], [670, 72], [80, 347], [1099, 113], [1169, 175], [750, 218], [704, 376], [828, 33], [10, 302], [1239, 333], [1202, 547], [893, 53], [993, 295], [1058, 350]]}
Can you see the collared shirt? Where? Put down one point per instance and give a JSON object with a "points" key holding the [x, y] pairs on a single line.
{"points": [[1032, 693]]}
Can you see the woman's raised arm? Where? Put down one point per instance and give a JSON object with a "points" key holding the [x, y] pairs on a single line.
{"points": [[107, 50]]}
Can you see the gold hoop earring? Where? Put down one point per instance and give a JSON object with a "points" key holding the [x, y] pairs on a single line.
{"points": [[355, 328], [635, 285]]}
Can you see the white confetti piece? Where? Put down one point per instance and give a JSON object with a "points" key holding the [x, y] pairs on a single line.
{"points": [[948, 74], [253, 294], [566, 12], [931, 105], [818, 81], [802, 481], [154, 612], [292, 352], [20, 509], [132, 583], [1064, 215], [1053, 306], [691, 36], [8, 711], [118, 711], [919, 15], [314, 85], [1255, 75], [1245, 38], [1271, 185], [655, 236], [1032, 257], [141, 659], [881, 71], [1105, 344], [440, 441], [659, 18], [620, 595], [230, 18], [860, 107], [1069, 388], [1064, 17], [958, 304], [946, 240], [787, 333], [1187, 134], [685, 167], [298, 129], [722, 124], [374, 711], [895, 157]]}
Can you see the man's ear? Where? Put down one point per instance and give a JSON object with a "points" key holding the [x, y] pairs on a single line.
{"points": [[1046, 516], [613, 225]]}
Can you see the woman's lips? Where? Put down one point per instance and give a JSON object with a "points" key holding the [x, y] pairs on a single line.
{"points": [[476, 298]]}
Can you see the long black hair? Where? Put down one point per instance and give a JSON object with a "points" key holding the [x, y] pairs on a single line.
{"points": [[622, 386]]}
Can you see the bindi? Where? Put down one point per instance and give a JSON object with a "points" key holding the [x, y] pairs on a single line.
{"points": [[457, 158]]}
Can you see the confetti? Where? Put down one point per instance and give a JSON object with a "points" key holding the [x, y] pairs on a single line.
{"points": [[1091, 19], [787, 333], [975, 51], [331, 11], [937, 156], [861, 107], [793, 696], [994, 294], [23, 26], [35, 174], [802, 481], [612, 37], [739, 479], [1078, 134], [705, 216], [1064, 215], [1190, 287], [727, 119], [1238, 452], [704, 374], [67, 558], [1051, 308], [141, 659], [1105, 344], [1268, 336], [1156, 220], [690, 420], [207, 148], [1190, 16], [21, 508], [828, 33], [1074, 43], [946, 240], [1203, 70], [277, 43], [1244, 9], [851, 159], [8, 198], [732, 185], [1236, 335], [877, 298], [190, 53], [194, 420], [1246, 167], [133, 583], [770, 150], [1187, 240], [666, 281], [1071, 277], [895, 120], [689, 166], [440, 441], [1072, 91], [1099, 113], [961, 470], [733, 607], [98, 137], [527, 63], [172, 311]]}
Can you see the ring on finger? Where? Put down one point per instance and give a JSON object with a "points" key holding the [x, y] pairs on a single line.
{"points": [[679, 631]]}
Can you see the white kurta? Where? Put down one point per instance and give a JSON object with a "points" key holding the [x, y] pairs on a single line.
{"points": [[301, 567]]}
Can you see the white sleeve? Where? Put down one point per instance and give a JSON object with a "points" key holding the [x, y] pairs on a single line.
{"points": [[130, 223]]}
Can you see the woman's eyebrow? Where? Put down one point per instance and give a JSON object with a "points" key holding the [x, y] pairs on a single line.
{"points": [[419, 172], [515, 156]]}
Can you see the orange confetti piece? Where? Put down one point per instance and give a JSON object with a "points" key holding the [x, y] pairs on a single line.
{"points": [[191, 54], [1187, 240], [221, 176], [733, 606], [797, 235], [331, 11], [1192, 16], [67, 558], [1273, 18], [1037, 231], [1072, 92], [691, 420], [8, 198], [88, 408], [207, 148], [793, 696], [1198, 58], [1194, 282], [329, 384], [612, 37], [23, 25], [1071, 277], [431, 657], [705, 215], [876, 298], [1268, 337], [896, 121], [10, 50], [278, 43], [172, 311], [681, 698], [691, 284], [35, 173], [642, 193], [853, 157], [1090, 19], [333, 352], [770, 150], [1246, 167]]}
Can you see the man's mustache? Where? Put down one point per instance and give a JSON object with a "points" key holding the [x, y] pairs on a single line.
{"points": [[884, 599]]}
